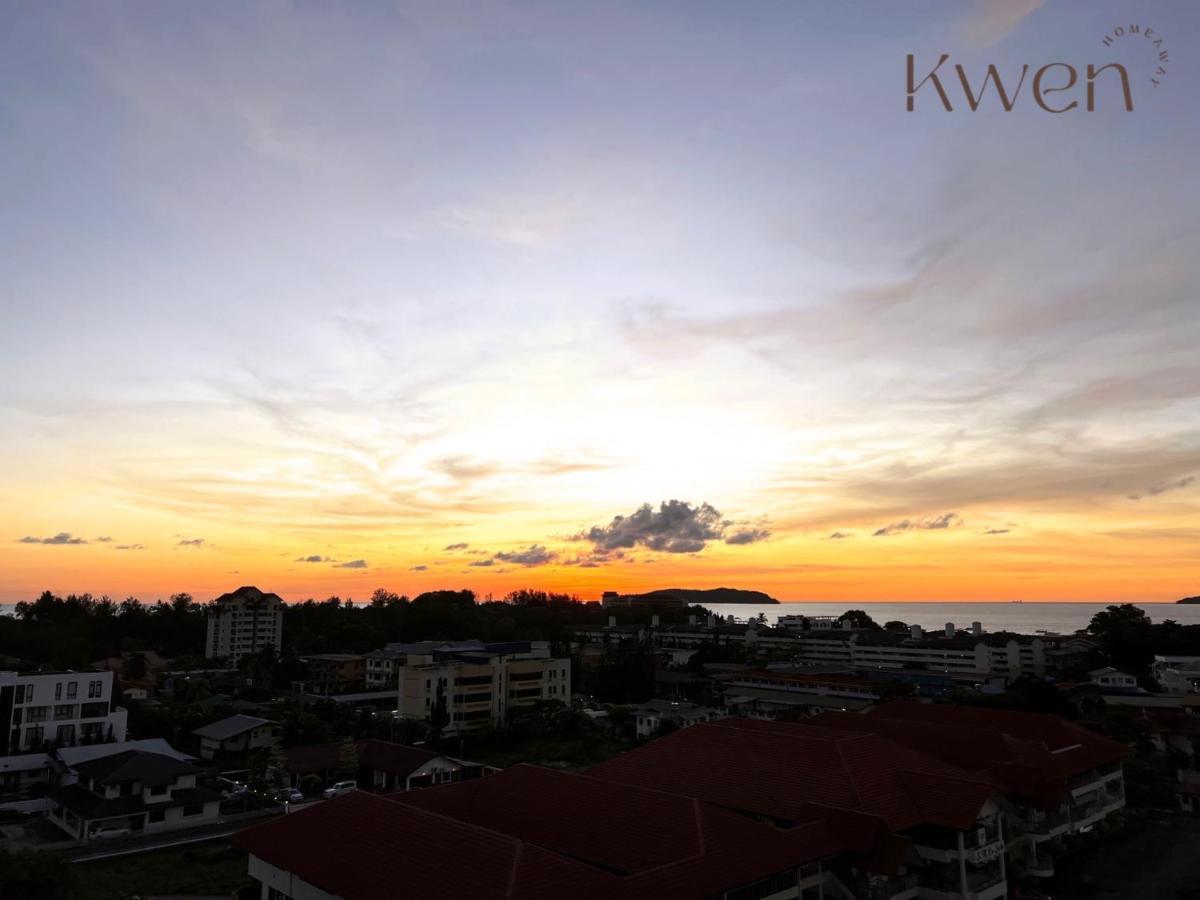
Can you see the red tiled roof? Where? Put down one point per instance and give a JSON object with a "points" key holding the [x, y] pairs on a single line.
{"points": [[362, 846], [1029, 754], [531, 832], [782, 769]]}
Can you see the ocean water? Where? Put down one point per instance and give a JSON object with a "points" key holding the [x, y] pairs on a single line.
{"points": [[1024, 618]]}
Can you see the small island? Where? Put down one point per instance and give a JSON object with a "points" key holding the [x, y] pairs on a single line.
{"points": [[1189, 600], [690, 597]]}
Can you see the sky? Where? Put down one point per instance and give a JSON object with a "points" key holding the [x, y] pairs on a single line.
{"points": [[594, 296]]}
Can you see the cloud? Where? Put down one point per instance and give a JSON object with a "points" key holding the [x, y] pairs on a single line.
{"points": [[991, 21], [421, 568], [130, 547], [534, 555], [747, 536], [313, 559], [675, 527], [936, 523], [102, 540], [60, 539], [481, 563], [998, 531], [352, 564], [839, 536], [450, 548], [191, 542], [1162, 488]]}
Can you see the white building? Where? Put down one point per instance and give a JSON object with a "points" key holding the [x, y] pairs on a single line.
{"points": [[1111, 678], [237, 734], [43, 710], [243, 622], [1177, 674], [131, 792], [481, 687]]}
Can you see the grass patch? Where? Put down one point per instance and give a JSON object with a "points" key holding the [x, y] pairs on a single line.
{"points": [[216, 868]]}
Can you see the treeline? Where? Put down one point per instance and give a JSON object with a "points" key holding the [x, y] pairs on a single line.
{"points": [[77, 630]]}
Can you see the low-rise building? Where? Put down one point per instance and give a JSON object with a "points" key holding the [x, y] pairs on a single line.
{"points": [[378, 765], [1177, 674], [334, 673], [237, 735], [653, 714], [43, 710], [130, 792], [1110, 679]]}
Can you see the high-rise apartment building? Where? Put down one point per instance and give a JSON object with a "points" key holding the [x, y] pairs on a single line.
{"points": [[243, 622]]}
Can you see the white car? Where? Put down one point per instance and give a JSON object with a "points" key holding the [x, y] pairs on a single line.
{"points": [[110, 831], [289, 795], [342, 787]]}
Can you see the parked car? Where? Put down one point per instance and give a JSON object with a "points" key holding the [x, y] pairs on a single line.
{"points": [[108, 832], [341, 787], [289, 795]]}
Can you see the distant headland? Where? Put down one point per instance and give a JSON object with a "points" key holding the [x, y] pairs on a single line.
{"points": [[1189, 600], [690, 596]]}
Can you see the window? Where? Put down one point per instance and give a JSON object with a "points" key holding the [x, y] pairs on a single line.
{"points": [[34, 738], [72, 689], [58, 690], [36, 713], [66, 735], [156, 815], [158, 790], [193, 809], [95, 689]]}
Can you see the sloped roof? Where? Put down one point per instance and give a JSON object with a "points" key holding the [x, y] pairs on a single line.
{"points": [[362, 846], [1029, 754], [247, 592], [134, 765], [230, 727], [780, 769], [531, 832]]}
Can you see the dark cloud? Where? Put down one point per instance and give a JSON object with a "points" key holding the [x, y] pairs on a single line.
{"points": [[1162, 488], [60, 539], [313, 559], [533, 555], [102, 540], [480, 563], [936, 523], [191, 542], [839, 536], [675, 527], [421, 568], [130, 547], [998, 531], [352, 564], [450, 548], [748, 536]]}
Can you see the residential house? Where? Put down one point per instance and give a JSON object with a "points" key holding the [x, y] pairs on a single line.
{"points": [[1177, 674], [379, 765], [237, 734], [132, 789], [653, 714], [1110, 679]]}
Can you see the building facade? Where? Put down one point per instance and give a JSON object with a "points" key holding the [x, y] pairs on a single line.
{"points": [[243, 622], [44, 710]]}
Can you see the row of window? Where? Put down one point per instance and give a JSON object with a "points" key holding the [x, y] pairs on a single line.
{"points": [[25, 692]]}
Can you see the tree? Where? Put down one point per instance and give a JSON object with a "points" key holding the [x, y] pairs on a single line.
{"points": [[1114, 619], [895, 625], [860, 619], [439, 716], [347, 764]]}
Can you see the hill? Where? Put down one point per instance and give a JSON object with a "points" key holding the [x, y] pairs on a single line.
{"points": [[1189, 600], [706, 597]]}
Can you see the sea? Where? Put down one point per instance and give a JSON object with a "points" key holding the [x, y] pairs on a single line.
{"points": [[1016, 616]]}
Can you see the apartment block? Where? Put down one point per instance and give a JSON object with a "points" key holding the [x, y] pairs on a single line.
{"points": [[43, 710], [243, 622], [481, 685]]}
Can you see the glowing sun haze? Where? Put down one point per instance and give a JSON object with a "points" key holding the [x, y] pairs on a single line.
{"points": [[591, 296]]}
